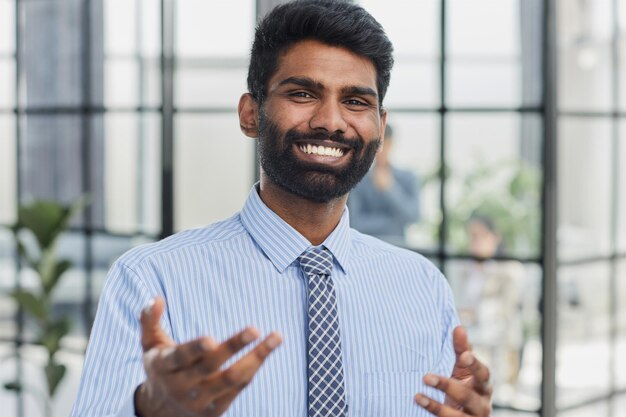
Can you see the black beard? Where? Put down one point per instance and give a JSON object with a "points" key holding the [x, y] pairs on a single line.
{"points": [[313, 182]]}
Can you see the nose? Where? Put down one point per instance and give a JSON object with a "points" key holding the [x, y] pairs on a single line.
{"points": [[328, 116]]}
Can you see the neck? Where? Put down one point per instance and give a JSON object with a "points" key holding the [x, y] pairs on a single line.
{"points": [[313, 220]]}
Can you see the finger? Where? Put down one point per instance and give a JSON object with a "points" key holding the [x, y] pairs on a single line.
{"points": [[463, 395], [479, 370], [436, 408], [151, 333], [185, 355], [460, 340], [239, 375], [230, 347], [215, 355]]}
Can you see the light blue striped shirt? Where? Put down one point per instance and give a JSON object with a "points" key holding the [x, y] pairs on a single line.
{"points": [[396, 315]]}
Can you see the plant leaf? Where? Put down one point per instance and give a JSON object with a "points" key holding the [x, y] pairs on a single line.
{"points": [[54, 374], [44, 218], [33, 305], [52, 335], [51, 281], [13, 386]]}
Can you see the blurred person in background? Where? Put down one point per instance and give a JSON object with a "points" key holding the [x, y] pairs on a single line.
{"points": [[364, 328], [487, 296], [386, 200]]}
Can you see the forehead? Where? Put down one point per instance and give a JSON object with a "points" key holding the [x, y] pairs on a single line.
{"points": [[331, 66]]}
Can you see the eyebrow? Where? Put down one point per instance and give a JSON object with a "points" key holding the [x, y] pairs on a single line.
{"points": [[309, 83], [302, 82], [360, 91]]}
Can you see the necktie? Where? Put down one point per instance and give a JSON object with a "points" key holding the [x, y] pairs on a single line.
{"points": [[325, 370]]}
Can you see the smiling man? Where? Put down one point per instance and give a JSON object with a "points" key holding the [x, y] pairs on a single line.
{"points": [[354, 326]]}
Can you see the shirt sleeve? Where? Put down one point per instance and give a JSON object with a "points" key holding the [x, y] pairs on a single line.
{"points": [[113, 365], [450, 320]]}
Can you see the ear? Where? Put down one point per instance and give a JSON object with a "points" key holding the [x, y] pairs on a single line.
{"points": [[248, 110], [383, 124]]}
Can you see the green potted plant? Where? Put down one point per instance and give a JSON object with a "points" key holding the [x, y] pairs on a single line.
{"points": [[36, 232]]}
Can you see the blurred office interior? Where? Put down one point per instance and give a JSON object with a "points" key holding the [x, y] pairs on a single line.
{"points": [[513, 110]]}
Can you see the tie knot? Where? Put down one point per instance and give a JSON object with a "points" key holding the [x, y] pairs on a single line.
{"points": [[316, 261]]}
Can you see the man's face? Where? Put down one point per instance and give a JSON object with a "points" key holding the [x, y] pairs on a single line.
{"points": [[320, 126]]}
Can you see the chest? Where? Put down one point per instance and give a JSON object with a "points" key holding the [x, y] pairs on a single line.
{"points": [[390, 336]]}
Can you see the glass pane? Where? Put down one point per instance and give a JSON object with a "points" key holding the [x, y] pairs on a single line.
{"points": [[51, 158], [621, 68], [584, 194], [8, 170], [620, 345], [490, 63], [198, 26], [131, 172], [52, 42], [586, 19], [494, 176], [498, 305], [132, 28], [7, 83], [204, 86], [214, 168], [414, 83], [8, 308], [7, 26], [621, 190], [483, 27], [8, 372], [121, 28], [599, 409], [150, 35], [618, 404], [414, 154], [483, 83], [121, 83], [584, 67], [132, 42], [150, 80], [412, 26], [621, 45], [132, 83], [583, 344], [584, 79]]}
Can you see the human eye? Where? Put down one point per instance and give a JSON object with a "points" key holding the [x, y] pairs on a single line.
{"points": [[357, 103], [301, 95]]}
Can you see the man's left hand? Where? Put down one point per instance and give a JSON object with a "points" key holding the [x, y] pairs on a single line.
{"points": [[468, 391]]}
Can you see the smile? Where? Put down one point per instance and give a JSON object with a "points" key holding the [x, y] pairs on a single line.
{"points": [[321, 150]]}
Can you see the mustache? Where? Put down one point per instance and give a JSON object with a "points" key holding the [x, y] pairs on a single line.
{"points": [[293, 135]]}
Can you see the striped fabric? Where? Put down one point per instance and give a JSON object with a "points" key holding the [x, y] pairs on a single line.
{"points": [[396, 315]]}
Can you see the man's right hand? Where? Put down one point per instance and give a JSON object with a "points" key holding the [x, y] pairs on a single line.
{"points": [[187, 380]]}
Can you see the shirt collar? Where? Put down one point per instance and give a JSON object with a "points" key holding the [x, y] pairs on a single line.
{"points": [[280, 242]]}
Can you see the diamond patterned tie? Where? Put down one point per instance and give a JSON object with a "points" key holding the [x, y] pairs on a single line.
{"points": [[326, 387]]}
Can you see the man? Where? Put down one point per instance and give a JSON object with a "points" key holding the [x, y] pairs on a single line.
{"points": [[361, 324], [387, 200]]}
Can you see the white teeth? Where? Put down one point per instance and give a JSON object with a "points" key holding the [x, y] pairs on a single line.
{"points": [[321, 150]]}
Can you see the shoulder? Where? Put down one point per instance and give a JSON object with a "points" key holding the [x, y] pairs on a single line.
{"points": [[217, 234], [369, 247]]}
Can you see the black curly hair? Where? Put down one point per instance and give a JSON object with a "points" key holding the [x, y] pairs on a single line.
{"points": [[332, 22]]}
